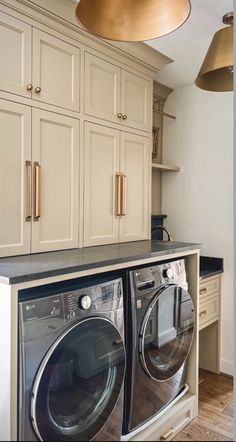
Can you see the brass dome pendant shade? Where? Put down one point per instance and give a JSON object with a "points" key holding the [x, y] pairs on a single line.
{"points": [[132, 20], [216, 73]]}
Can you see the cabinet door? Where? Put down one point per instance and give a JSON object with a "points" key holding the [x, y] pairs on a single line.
{"points": [[56, 71], [135, 165], [136, 101], [55, 147], [102, 88], [101, 164], [15, 150], [15, 55]]}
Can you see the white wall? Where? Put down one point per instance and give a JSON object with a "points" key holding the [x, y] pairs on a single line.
{"points": [[199, 199]]}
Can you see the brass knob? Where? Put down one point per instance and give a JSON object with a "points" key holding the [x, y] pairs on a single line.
{"points": [[38, 90], [29, 87], [124, 117], [119, 115]]}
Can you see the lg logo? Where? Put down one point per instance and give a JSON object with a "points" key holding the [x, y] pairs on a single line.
{"points": [[30, 307]]}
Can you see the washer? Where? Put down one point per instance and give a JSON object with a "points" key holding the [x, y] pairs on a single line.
{"points": [[160, 331], [71, 362]]}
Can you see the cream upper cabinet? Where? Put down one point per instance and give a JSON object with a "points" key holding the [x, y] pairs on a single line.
{"points": [[135, 101], [102, 88], [56, 71], [15, 55], [15, 150], [55, 160], [114, 94], [101, 163], [134, 165], [115, 186]]}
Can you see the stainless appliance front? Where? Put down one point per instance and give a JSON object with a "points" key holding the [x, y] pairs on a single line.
{"points": [[72, 363], [161, 319]]}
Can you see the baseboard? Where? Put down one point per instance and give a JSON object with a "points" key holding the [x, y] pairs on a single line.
{"points": [[227, 367]]}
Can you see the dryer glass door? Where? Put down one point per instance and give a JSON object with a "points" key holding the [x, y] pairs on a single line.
{"points": [[78, 382], [167, 332]]}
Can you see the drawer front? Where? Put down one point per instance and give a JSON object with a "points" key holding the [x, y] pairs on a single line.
{"points": [[209, 311], [169, 426], [176, 423], [208, 287]]}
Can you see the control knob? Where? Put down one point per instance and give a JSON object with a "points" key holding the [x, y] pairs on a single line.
{"points": [[168, 273], [85, 302]]}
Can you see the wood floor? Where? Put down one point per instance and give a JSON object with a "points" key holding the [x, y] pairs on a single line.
{"points": [[215, 419]]}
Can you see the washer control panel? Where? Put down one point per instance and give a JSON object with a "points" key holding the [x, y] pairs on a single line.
{"points": [[45, 314], [99, 298]]}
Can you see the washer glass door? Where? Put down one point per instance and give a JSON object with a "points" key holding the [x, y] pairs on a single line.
{"points": [[78, 382], [167, 332]]}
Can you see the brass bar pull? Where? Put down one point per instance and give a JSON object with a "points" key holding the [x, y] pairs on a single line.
{"points": [[203, 314], [167, 435], [202, 291], [37, 191], [29, 191], [123, 195], [118, 194]]}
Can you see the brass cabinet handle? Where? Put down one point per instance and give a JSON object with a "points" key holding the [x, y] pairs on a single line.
{"points": [[119, 115], [38, 90], [124, 117], [167, 435], [203, 314], [118, 194], [29, 87], [37, 191], [202, 291], [29, 191], [123, 194]]}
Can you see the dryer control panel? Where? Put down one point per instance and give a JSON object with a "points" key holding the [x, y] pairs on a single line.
{"points": [[152, 277]]}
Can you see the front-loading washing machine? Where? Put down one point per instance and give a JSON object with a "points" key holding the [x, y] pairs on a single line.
{"points": [[71, 362], [160, 322]]}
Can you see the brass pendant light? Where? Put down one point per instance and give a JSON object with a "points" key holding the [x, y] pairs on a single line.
{"points": [[132, 20], [216, 73]]}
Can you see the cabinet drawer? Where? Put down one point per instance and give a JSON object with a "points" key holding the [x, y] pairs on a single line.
{"points": [[169, 425], [209, 311], [208, 287]]}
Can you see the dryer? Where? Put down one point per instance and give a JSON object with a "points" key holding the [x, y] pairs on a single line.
{"points": [[71, 362], [160, 330]]}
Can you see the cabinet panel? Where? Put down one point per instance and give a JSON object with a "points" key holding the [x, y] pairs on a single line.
{"points": [[135, 165], [55, 146], [101, 164], [56, 70], [135, 101], [102, 88], [15, 55], [15, 123], [208, 287]]}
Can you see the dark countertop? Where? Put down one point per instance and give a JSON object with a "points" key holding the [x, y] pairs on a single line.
{"points": [[24, 268], [210, 266]]}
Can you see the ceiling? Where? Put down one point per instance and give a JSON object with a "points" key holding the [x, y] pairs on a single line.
{"points": [[188, 45]]}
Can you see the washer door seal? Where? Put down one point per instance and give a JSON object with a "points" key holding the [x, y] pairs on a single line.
{"points": [[167, 332], [79, 382]]}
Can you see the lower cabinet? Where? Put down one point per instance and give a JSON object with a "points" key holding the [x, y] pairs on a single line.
{"points": [[209, 323], [116, 186], [39, 163]]}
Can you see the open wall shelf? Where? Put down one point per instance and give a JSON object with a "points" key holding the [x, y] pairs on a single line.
{"points": [[165, 168]]}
